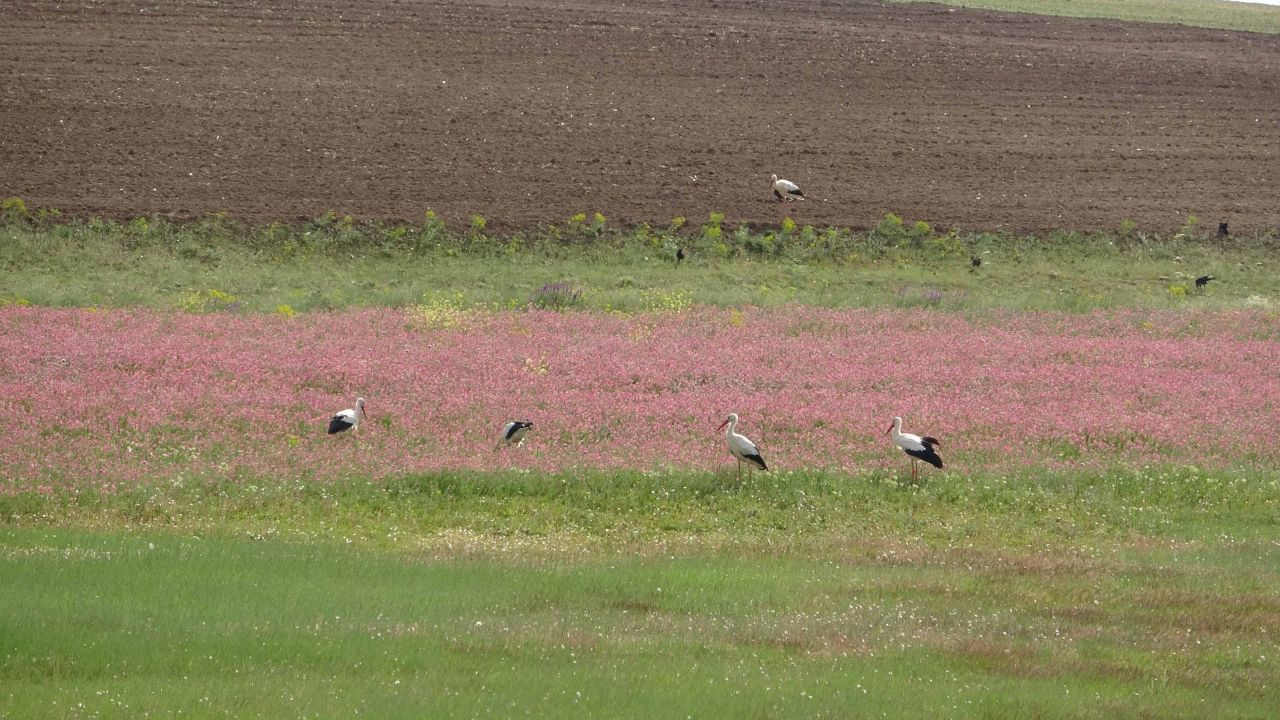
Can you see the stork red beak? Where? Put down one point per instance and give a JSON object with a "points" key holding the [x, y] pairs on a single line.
{"points": [[726, 422], [363, 412], [886, 432]]}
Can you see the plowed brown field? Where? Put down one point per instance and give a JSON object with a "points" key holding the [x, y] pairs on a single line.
{"points": [[532, 110]]}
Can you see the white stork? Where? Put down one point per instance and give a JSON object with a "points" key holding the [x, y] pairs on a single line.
{"points": [[786, 188], [513, 432], [741, 448], [919, 448], [348, 419]]}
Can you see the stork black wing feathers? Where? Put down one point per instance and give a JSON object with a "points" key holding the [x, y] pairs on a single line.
{"points": [[516, 427], [927, 455]]}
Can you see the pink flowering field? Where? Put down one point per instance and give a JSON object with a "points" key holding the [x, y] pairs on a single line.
{"points": [[120, 397]]}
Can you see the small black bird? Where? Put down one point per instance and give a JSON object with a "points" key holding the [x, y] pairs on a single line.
{"points": [[975, 261], [1202, 281], [679, 255], [1222, 230]]}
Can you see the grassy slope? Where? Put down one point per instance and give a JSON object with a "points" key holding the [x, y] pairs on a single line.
{"points": [[122, 625], [176, 267], [801, 594], [1252, 17]]}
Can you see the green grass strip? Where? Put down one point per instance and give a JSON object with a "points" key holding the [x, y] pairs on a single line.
{"points": [[335, 263], [1252, 17]]}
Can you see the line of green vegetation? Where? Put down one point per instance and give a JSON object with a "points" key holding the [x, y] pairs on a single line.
{"points": [[1108, 595], [332, 263], [1252, 17], [1033, 508]]}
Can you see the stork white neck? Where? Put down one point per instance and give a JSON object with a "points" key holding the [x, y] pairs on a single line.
{"points": [[732, 422], [895, 432]]}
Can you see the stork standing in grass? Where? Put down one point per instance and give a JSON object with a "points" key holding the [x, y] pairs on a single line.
{"points": [[785, 189], [919, 448], [348, 419], [513, 432], [741, 448]]}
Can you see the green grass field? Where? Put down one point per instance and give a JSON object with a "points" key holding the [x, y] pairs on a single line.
{"points": [[332, 265], [1252, 17], [803, 595]]}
